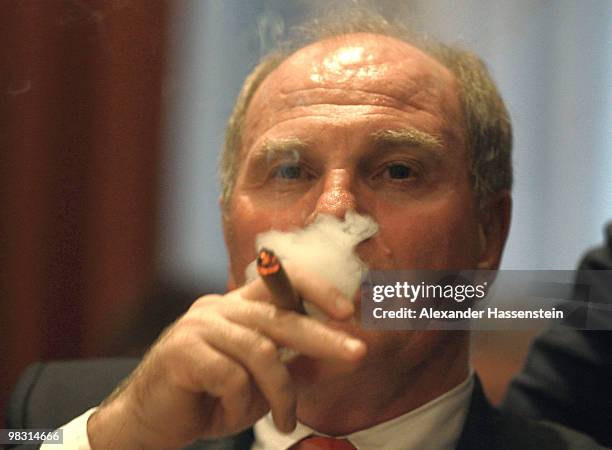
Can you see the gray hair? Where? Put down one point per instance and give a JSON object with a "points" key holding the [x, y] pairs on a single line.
{"points": [[488, 131]]}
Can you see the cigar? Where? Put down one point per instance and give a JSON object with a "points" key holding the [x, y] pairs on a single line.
{"points": [[274, 276]]}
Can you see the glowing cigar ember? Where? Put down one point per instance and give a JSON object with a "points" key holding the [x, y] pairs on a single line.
{"points": [[274, 276]]}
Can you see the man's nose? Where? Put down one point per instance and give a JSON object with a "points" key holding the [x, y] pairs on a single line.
{"points": [[337, 196]]}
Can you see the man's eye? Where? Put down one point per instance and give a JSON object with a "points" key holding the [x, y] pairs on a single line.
{"points": [[398, 171], [288, 172]]}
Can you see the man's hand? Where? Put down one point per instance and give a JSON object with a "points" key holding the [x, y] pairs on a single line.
{"points": [[217, 370]]}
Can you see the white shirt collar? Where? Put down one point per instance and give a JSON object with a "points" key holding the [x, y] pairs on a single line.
{"points": [[434, 425]]}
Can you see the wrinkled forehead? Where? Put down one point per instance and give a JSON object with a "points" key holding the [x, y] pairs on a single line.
{"points": [[344, 70], [359, 57]]}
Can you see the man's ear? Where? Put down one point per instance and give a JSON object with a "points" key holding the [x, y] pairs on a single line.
{"points": [[222, 206], [495, 216], [226, 228]]}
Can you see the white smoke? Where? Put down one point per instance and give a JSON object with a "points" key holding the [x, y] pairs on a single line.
{"points": [[326, 247]]}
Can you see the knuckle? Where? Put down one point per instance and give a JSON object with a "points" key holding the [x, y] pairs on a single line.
{"points": [[174, 349], [212, 374], [187, 378], [279, 316], [237, 379], [178, 362], [205, 301], [219, 368], [266, 350], [267, 310], [181, 341], [284, 317]]}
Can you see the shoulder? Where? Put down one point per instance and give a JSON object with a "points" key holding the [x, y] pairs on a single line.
{"points": [[566, 377], [50, 394], [487, 427], [600, 258], [515, 432]]}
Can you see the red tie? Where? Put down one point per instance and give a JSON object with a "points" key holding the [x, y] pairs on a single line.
{"points": [[323, 443]]}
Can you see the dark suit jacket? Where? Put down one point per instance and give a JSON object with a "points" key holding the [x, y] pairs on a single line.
{"points": [[49, 395], [567, 377]]}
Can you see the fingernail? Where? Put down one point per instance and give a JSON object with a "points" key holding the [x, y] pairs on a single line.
{"points": [[290, 424], [353, 345]]}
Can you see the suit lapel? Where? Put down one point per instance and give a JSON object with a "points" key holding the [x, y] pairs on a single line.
{"points": [[478, 431], [487, 428]]}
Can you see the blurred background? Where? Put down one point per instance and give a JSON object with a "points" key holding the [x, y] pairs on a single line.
{"points": [[112, 114]]}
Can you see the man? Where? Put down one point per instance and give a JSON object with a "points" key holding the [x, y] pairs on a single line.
{"points": [[415, 137]]}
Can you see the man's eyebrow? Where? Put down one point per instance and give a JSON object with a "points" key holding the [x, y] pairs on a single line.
{"points": [[407, 137], [273, 148]]}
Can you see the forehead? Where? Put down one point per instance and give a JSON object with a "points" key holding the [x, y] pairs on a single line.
{"points": [[360, 70]]}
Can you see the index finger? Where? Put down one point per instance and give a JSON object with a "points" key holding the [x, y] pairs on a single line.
{"points": [[310, 287]]}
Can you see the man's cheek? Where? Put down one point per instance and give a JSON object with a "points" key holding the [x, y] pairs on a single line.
{"points": [[419, 243]]}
